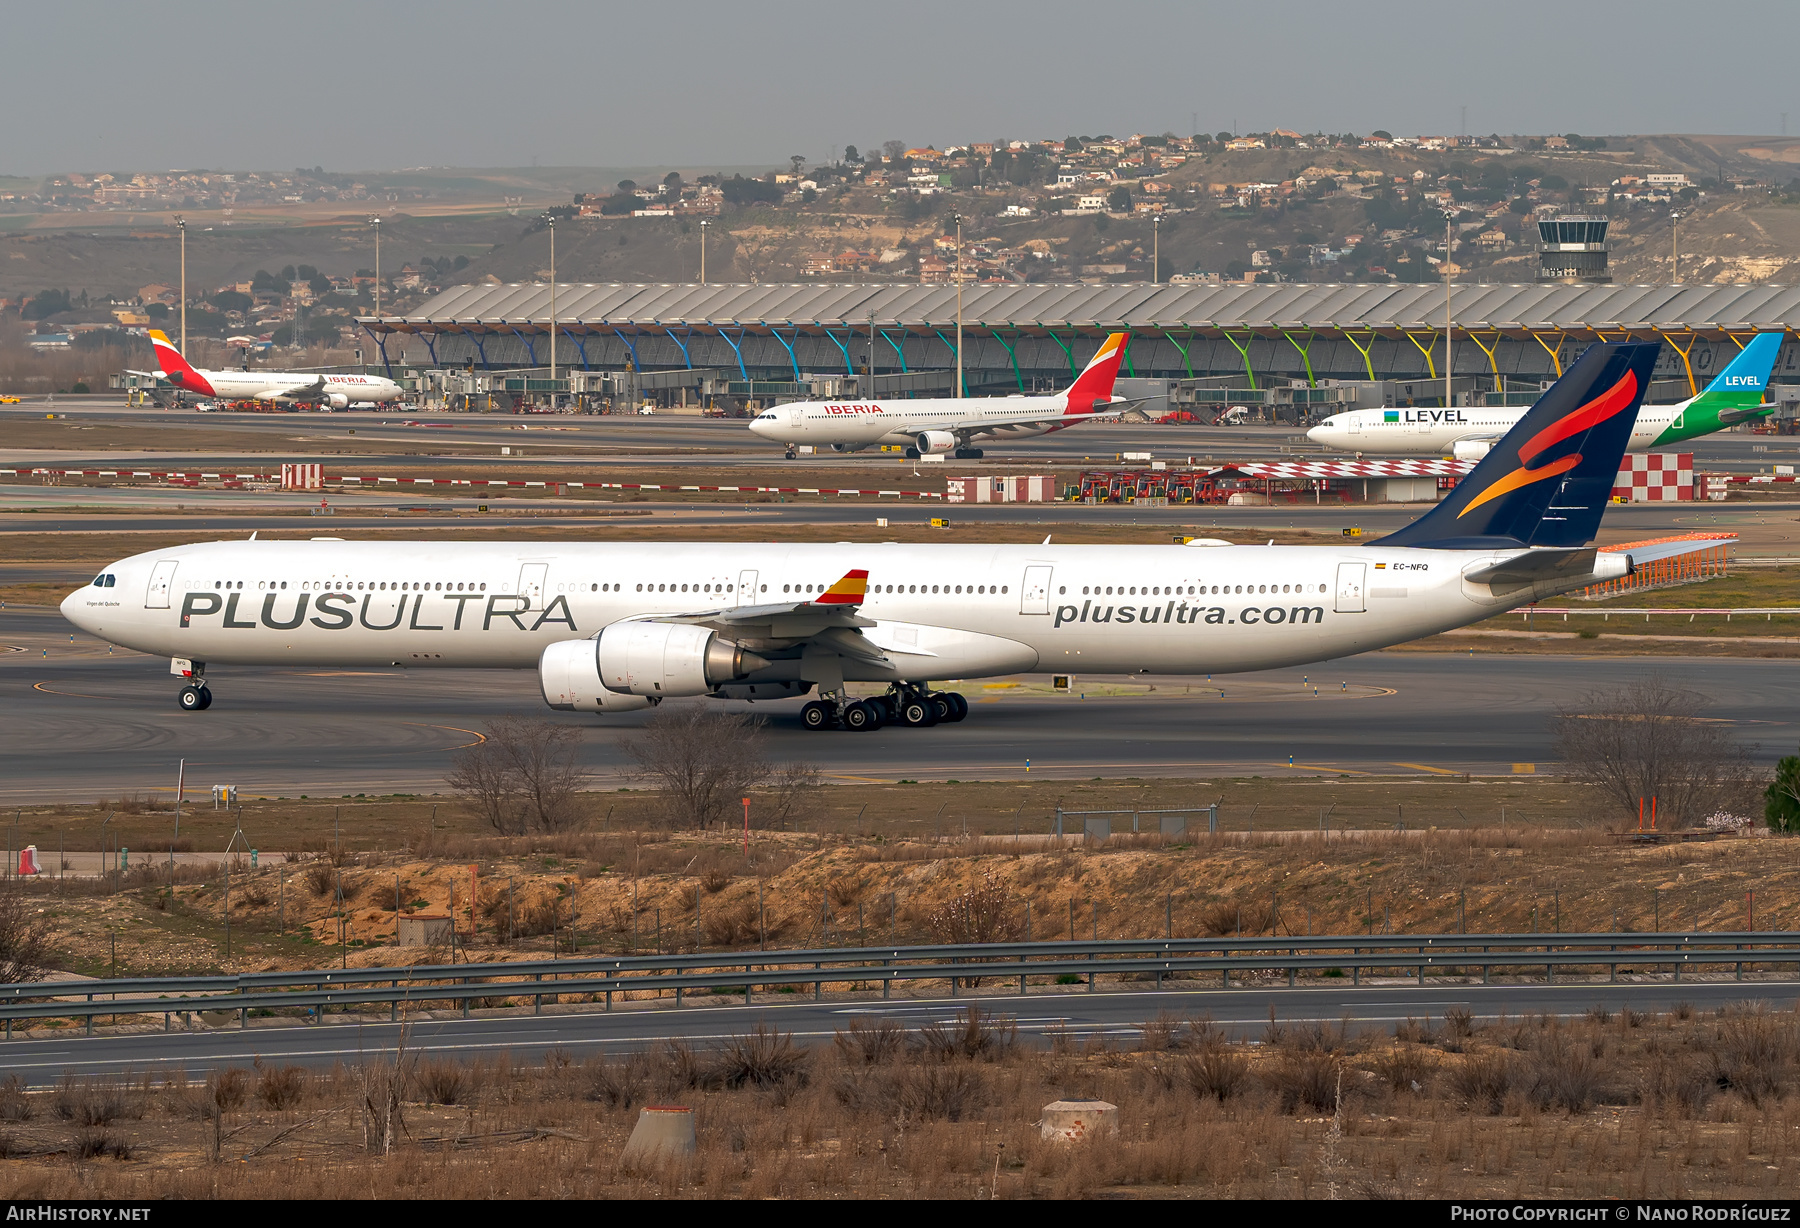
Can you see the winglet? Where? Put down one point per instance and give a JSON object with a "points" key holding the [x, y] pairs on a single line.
{"points": [[848, 591]]}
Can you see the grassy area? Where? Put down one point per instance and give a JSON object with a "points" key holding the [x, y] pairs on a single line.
{"points": [[1681, 1105]]}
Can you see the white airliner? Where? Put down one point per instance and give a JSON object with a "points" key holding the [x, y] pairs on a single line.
{"points": [[945, 424], [308, 387], [1734, 395], [613, 627]]}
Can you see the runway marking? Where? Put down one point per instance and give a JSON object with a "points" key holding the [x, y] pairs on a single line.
{"points": [[1314, 767], [479, 737], [48, 690], [341, 673], [867, 780], [1425, 768]]}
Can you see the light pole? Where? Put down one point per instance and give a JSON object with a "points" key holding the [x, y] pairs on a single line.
{"points": [[704, 223], [1156, 249], [1449, 216], [376, 223], [1674, 249], [551, 218], [181, 225], [959, 343]]}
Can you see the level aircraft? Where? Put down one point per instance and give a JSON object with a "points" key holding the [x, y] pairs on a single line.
{"points": [[948, 424], [617, 626], [1735, 395], [335, 391]]}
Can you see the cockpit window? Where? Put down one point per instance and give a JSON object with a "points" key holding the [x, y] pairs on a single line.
{"points": [[103, 581]]}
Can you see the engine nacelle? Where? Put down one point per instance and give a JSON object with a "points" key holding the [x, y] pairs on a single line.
{"points": [[569, 672], [658, 659], [338, 400], [1471, 449], [929, 442]]}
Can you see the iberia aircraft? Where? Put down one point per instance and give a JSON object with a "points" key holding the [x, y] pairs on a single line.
{"points": [[617, 626], [944, 424], [337, 391], [1735, 395]]}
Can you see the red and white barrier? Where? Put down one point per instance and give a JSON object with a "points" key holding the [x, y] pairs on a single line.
{"points": [[28, 861], [1655, 477], [302, 477], [1034, 488], [191, 477]]}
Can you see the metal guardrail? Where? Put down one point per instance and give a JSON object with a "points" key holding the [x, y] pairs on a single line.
{"points": [[1418, 954]]}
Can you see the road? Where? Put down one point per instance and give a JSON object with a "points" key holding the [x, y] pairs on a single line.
{"points": [[1114, 1015], [77, 722]]}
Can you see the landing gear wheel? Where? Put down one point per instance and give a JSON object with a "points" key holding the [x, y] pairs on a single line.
{"points": [[791, 454], [912, 454], [192, 699], [205, 697], [968, 454], [946, 711], [816, 715], [959, 707], [862, 717], [918, 713]]}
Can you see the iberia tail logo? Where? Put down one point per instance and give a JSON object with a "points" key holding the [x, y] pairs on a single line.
{"points": [[175, 368], [1620, 396], [1094, 386], [848, 591]]}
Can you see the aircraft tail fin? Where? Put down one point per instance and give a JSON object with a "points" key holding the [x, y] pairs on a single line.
{"points": [[1093, 388], [167, 356], [1749, 371], [1547, 481]]}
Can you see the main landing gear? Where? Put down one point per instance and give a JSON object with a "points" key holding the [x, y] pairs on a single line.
{"points": [[905, 703]]}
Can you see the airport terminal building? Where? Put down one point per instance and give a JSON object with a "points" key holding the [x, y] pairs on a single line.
{"points": [[1297, 349]]}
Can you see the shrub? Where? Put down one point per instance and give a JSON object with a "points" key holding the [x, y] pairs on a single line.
{"points": [[95, 1101], [1216, 1070], [940, 1092], [976, 1034], [868, 1040], [281, 1087], [1483, 1081], [15, 1105], [227, 1088], [1308, 1078], [1566, 1077], [618, 1082], [442, 1081], [1403, 1069], [761, 1058]]}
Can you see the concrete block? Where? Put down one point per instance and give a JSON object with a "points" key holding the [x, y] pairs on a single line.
{"points": [[422, 931], [663, 1132], [1074, 1121]]}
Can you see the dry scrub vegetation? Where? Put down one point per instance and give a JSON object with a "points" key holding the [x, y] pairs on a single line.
{"points": [[1632, 1105]]}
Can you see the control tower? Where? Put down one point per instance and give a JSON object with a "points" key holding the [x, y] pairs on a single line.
{"points": [[1574, 250]]}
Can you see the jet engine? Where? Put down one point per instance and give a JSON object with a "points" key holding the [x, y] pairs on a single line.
{"points": [[658, 659], [569, 672], [1471, 449], [935, 441], [338, 400]]}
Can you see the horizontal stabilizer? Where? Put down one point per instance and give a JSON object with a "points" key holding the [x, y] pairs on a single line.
{"points": [[1548, 563]]}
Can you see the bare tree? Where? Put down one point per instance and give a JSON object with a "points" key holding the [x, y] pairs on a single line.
{"points": [[1649, 739], [705, 761], [789, 797], [522, 776], [24, 937]]}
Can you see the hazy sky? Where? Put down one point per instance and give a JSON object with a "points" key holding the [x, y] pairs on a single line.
{"points": [[191, 83]]}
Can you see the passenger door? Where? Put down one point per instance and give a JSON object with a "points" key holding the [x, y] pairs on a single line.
{"points": [[746, 588], [1350, 579], [531, 583], [1034, 594], [156, 597]]}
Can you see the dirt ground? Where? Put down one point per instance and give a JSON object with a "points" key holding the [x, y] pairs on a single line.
{"points": [[879, 863]]}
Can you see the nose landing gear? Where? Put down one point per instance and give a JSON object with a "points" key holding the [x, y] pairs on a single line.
{"points": [[196, 698]]}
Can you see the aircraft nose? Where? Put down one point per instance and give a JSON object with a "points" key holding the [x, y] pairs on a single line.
{"points": [[1322, 433], [74, 609], [759, 426]]}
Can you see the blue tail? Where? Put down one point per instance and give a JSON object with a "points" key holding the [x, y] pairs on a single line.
{"points": [[1548, 480], [1750, 370]]}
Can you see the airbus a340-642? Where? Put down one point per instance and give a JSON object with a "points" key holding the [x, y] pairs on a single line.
{"points": [[948, 424], [1735, 395], [336, 391], [617, 626]]}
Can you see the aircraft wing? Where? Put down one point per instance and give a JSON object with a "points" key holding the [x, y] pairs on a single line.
{"points": [[1051, 422], [831, 621], [293, 392], [151, 374]]}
